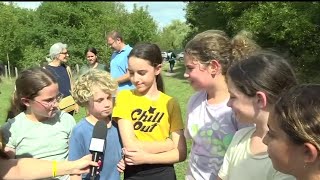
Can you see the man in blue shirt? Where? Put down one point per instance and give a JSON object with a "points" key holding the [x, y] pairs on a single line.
{"points": [[119, 60]]}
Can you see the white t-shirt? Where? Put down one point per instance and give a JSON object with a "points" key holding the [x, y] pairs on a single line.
{"points": [[240, 164], [211, 128]]}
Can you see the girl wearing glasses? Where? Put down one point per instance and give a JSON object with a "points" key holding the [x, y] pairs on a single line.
{"points": [[39, 130]]}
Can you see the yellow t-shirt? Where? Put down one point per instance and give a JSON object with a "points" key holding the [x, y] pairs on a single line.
{"points": [[152, 120]]}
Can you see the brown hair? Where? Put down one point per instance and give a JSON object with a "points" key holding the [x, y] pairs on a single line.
{"points": [[263, 71], [298, 114], [152, 53], [216, 45], [243, 45], [115, 35], [28, 84]]}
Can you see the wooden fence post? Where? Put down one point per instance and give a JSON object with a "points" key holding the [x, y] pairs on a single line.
{"points": [[16, 71], [6, 70], [9, 71]]}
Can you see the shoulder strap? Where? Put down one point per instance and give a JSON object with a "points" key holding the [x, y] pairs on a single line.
{"points": [[69, 74], [69, 71]]}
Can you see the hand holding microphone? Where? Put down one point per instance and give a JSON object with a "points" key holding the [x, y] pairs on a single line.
{"points": [[97, 144]]}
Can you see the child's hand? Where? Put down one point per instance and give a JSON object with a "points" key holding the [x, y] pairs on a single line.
{"points": [[135, 156], [170, 143], [121, 166], [82, 165], [76, 111]]}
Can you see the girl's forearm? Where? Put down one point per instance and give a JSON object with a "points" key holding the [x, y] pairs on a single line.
{"points": [[169, 157], [28, 168], [177, 154], [157, 146]]}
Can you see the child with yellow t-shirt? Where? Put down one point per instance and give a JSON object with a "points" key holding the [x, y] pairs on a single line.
{"points": [[150, 122]]}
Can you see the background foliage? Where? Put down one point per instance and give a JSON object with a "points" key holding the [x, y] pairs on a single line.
{"points": [[290, 28], [27, 35]]}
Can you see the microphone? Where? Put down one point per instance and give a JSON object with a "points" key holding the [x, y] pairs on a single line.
{"points": [[97, 144]]}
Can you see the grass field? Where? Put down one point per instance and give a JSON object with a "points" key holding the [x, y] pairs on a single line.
{"points": [[175, 85]]}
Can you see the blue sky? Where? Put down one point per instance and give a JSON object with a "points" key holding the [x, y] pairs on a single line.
{"points": [[162, 12]]}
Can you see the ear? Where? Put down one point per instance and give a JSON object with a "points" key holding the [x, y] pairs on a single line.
{"points": [[157, 69], [25, 101], [310, 153], [261, 99], [214, 67]]}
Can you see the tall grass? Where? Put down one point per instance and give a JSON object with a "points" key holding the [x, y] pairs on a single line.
{"points": [[175, 86]]}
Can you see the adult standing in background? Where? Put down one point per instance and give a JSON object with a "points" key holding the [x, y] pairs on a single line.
{"points": [[172, 60], [92, 61], [58, 57], [119, 60]]}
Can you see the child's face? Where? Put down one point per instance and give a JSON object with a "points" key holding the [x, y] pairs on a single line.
{"points": [[197, 74], [243, 106], [46, 103], [100, 104], [142, 74], [284, 154]]}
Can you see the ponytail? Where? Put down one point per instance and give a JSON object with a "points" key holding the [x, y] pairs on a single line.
{"points": [[243, 45], [16, 107], [159, 82]]}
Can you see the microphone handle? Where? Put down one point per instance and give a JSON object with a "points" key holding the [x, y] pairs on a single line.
{"points": [[93, 169]]}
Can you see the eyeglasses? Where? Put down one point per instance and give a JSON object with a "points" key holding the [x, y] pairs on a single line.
{"points": [[64, 52], [50, 103], [111, 43]]}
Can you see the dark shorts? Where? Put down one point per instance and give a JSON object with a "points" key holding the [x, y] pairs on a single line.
{"points": [[172, 61], [150, 172]]}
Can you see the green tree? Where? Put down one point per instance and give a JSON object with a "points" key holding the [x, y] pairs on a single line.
{"points": [[171, 37], [9, 23], [27, 35], [202, 16], [80, 25], [139, 26], [289, 27]]}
